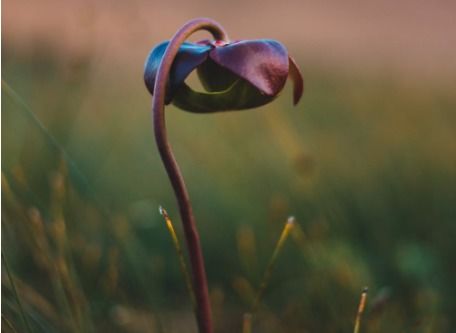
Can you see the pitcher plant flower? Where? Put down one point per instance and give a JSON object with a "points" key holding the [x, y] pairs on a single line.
{"points": [[236, 75]]}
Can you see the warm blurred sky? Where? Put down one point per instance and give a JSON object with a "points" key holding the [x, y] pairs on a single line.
{"points": [[411, 37]]}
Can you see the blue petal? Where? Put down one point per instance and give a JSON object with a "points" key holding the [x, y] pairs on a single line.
{"points": [[189, 56]]}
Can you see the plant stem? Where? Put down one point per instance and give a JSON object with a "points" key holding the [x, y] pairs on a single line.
{"points": [[191, 233]]}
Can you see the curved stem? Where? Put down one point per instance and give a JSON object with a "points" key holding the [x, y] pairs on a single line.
{"points": [[203, 308]]}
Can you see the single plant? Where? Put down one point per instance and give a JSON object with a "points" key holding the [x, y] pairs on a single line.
{"points": [[237, 75]]}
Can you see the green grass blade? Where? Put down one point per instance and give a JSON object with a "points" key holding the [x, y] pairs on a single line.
{"points": [[9, 324], [361, 307], [267, 275], [26, 323], [49, 137], [73, 167], [180, 255], [247, 323]]}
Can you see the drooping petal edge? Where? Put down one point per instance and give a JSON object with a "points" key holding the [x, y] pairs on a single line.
{"points": [[262, 62], [296, 77]]}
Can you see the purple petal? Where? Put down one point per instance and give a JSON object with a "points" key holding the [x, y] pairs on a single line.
{"points": [[262, 62]]}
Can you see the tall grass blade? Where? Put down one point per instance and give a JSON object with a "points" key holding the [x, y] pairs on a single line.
{"points": [[9, 324], [49, 137], [26, 323], [267, 275], [361, 307], [180, 255], [73, 167], [247, 323], [51, 263]]}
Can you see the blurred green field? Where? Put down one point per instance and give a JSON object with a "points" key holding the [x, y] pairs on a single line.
{"points": [[366, 164]]}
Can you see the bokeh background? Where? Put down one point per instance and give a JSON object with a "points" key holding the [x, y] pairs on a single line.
{"points": [[366, 163]]}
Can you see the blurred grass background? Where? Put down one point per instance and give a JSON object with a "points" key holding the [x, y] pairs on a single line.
{"points": [[366, 163]]}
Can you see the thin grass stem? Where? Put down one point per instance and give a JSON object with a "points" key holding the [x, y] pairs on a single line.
{"points": [[361, 307], [180, 254], [9, 324], [247, 323], [269, 269], [52, 140], [26, 323]]}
